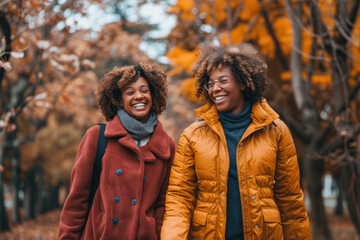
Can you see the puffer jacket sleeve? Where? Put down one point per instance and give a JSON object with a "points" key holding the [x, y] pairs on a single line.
{"points": [[160, 204], [75, 209], [288, 194], [180, 197]]}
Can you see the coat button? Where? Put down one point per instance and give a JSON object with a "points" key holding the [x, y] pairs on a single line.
{"points": [[138, 158], [133, 201], [144, 178], [116, 199], [115, 220], [256, 227], [118, 171], [253, 197], [241, 144], [276, 216], [250, 176]]}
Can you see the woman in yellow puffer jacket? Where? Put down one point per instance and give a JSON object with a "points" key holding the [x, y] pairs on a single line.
{"points": [[235, 174]]}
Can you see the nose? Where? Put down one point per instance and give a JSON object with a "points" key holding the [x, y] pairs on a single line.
{"points": [[216, 86], [138, 95]]}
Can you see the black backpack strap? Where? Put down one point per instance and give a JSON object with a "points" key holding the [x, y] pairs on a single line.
{"points": [[101, 146]]}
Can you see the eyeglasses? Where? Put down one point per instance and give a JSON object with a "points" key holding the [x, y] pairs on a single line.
{"points": [[222, 83]]}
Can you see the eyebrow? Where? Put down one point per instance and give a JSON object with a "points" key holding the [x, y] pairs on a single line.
{"points": [[128, 87], [222, 76]]}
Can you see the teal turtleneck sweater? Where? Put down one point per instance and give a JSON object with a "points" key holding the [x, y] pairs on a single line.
{"points": [[234, 126]]}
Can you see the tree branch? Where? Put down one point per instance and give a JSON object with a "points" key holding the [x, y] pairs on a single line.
{"points": [[329, 125], [271, 31]]}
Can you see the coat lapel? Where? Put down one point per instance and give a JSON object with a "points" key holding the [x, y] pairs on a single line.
{"points": [[159, 144], [157, 147], [114, 129], [211, 116]]}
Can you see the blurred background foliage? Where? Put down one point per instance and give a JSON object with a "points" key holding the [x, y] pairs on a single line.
{"points": [[50, 65]]}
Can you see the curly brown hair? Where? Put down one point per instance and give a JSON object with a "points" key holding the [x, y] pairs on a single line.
{"points": [[108, 92], [245, 62]]}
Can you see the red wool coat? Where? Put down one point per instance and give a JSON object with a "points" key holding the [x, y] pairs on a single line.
{"points": [[129, 203]]}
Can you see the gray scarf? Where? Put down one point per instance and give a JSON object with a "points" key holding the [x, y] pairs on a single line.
{"points": [[135, 128]]}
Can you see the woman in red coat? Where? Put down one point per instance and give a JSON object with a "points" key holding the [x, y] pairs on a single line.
{"points": [[129, 202]]}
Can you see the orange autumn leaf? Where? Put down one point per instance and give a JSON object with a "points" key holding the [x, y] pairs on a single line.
{"points": [[321, 79], [285, 76], [181, 59], [189, 90], [32, 79], [237, 35], [65, 98], [283, 31], [184, 7]]}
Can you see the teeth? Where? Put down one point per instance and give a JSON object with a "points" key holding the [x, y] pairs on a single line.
{"points": [[139, 105], [219, 98]]}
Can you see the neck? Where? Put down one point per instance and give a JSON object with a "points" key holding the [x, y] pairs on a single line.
{"points": [[239, 108]]}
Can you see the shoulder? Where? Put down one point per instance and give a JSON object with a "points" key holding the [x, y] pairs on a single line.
{"points": [[93, 132], [283, 134], [194, 127], [281, 126], [160, 134], [91, 136]]}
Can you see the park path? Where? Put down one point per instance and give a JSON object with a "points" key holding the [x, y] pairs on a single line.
{"points": [[45, 227]]}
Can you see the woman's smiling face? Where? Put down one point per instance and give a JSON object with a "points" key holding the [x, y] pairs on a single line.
{"points": [[229, 97], [136, 99]]}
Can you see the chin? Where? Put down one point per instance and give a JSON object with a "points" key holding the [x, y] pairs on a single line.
{"points": [[221, 108]]}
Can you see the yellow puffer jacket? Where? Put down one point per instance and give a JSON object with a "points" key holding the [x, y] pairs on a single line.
{"points": [[271, 198]]}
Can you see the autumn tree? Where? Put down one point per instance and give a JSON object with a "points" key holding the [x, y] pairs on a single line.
{"points": [[48, 82], [313, 53]]}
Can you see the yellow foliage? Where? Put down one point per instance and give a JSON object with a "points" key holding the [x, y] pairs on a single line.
{"points": [[209, 12], [267, 46], [285, 76], [328, 10], [237, 35], [306, 43], [321, 79], [181, 59], [352, 82], [221, 10], [355, 50], [185, 7], [220, 7], [189, 90], [251, 9], [283, 31]]}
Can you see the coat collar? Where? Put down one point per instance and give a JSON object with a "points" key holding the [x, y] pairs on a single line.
{"points": [[261, 113], [158, 145]]}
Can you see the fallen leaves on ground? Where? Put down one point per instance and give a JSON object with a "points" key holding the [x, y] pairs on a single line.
{"points": [[45, 227]]}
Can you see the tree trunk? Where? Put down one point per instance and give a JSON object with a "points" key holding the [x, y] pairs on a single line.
{"points": [[41, 192], [4, 225], [54, 197], [313, 168], [15, 182], [15, 170], [351, 188], [313, 173], [339, 210], [30, 195]]}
